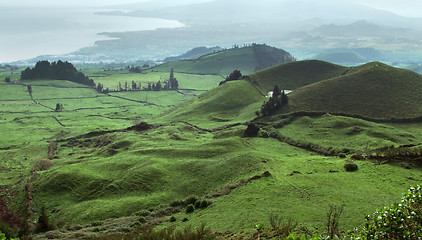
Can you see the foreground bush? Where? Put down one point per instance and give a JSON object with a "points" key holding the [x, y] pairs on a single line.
{"points": [[201, 233], [402, 220], [3, 237]]}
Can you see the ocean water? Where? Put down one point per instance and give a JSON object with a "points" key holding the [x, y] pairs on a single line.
{"points": [[29, 32]]}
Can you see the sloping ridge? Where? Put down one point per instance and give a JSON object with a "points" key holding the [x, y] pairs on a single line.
{"points": [[246, 59], [234, 101], [291, 76], [373, 90]]}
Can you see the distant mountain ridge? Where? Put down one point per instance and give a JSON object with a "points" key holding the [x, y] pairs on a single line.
{"points": [[247, 59], [194, 53]]}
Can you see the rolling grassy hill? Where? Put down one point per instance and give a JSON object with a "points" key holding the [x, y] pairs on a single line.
{"points": [[246, 59], [291, 76], [105, 178], [234, 101], [372, 90]]}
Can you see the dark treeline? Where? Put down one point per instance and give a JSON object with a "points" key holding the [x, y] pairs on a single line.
{"points": [[235, 75], [56, 71], [276, 101]]}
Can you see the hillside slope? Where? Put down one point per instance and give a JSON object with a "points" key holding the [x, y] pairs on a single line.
{"points": [[294, 75], [372, 90], [234, 101], [246, 59]]}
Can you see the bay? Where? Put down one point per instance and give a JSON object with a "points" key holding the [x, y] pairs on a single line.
{"points": [[30, 32]]}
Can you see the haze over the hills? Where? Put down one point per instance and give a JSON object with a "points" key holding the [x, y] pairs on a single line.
{"points": [[292, 25]]}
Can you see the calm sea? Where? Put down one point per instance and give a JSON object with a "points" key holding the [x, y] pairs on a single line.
{"points": [[30, 32]]}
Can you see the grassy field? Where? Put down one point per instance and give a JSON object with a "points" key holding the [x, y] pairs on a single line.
{"points": [[101, 172], [112, 78], [294, 75], [373, 90]]}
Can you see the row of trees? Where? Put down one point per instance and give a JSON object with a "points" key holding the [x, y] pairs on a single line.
{"points": [[171, 84], [56, 71], [276, 101]]}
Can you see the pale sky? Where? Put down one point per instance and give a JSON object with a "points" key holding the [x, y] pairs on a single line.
{"points": [[410, 8]]}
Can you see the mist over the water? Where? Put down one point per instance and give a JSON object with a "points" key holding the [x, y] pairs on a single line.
{"points": [[30, 32]]}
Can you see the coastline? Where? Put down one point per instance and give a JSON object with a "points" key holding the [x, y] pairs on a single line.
{"points": [[37, 32]]}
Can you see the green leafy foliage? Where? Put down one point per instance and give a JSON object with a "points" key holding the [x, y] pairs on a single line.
{"points": [[56, 70], [401, 220]]}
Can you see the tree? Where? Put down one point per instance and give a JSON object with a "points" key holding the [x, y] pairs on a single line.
{"points": [[158, 86], [56, 70], [7, 79], [235, 75], [276, 101], [29, 89], [172, 73], [100, 87], [134, 87], [173, 83], [59, 107]]}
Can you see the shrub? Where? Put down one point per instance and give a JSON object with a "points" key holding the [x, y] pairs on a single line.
{"points": [[176, 203], [280, 227], [401, 220], [43, 224], [191, 200], [170, 234], [172, 219], [252, 130], [333, 219], [350, 167], [142, 126], [190, 208], [42, 164], [142, 220], [342, 155], [204, 204]]}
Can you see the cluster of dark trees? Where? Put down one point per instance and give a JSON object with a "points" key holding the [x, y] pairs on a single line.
{"points": [[137, 69], [59, 107], [7, 80], [235, 75], [278, 99], [56, 71]]}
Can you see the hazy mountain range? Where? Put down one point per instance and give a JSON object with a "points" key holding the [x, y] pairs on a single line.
{"points": [[302, 27]]}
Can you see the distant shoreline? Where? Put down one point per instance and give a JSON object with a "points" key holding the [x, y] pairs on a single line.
{"points": [[42, 32]]}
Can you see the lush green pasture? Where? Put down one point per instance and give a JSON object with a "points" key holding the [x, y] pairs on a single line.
{"points": [[304, 195], [113, 172], [111, 79], [291, 76], [372, 90], [119, 174], [351, 133]]}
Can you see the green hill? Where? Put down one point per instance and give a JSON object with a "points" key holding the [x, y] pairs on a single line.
{"points": [[372, 90], [246, 59], [294, 75], [234, 101]]}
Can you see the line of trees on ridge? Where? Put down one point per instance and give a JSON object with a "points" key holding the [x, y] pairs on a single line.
{"points": [[171, 84], [56, 71]]}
